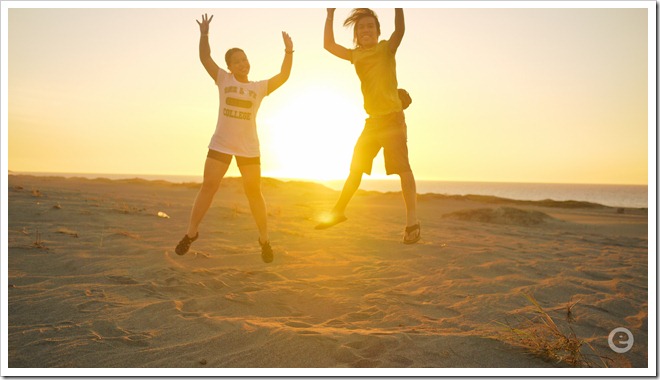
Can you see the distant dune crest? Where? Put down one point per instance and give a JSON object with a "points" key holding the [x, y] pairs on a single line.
{"points": [[502, 215]]}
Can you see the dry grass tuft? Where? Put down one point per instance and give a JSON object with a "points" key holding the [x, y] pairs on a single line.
{"points": [[543, 337], [38, 242]]}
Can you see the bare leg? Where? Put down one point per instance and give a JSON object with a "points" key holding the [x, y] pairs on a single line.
{"points": [[409, 191], [337, 214], [351, 185], [214, 171], [252, 186]]}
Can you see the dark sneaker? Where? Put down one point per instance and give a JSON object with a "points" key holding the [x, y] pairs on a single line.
{"points": [[184, 245], [266, 252]]}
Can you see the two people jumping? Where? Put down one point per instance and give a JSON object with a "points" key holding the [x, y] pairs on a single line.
{"points": [[236, 130]]}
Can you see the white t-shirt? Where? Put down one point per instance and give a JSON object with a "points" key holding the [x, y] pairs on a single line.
{"points": [[236, 130]]}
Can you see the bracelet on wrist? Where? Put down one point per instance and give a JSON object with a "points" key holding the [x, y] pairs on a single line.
{"points": [[289, 52]]}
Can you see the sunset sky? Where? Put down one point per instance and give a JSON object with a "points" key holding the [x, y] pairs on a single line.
{"points": [[507, 93]]}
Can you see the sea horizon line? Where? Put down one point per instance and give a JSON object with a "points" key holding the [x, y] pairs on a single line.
{"points": [[170, 177]]}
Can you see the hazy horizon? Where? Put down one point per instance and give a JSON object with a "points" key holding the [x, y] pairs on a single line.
{"points": [[394, 178]]}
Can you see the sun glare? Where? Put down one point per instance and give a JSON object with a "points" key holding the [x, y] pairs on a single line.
{"points": [[311, 134]]}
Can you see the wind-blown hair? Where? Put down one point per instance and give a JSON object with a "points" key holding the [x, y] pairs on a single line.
{"points": [[231, 52], [358, 14]]}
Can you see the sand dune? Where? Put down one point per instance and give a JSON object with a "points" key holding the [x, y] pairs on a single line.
{"points": [[94, 281]]}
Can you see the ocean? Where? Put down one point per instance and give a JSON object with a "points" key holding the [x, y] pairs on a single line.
{"points": [[632, 196]]}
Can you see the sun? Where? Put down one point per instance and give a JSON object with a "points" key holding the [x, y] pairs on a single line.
{"points": [[311, 134]]}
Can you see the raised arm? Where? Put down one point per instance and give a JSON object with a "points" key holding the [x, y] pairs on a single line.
{"points": [[275, 82], [329, 43], [204, 47], [399, 30]]}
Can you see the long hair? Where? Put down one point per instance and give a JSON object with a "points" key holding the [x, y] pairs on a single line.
{"points": [[231, 52], [358, 14]]}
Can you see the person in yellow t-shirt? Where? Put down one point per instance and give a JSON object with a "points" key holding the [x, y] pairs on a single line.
{"points": [[375, 65]]}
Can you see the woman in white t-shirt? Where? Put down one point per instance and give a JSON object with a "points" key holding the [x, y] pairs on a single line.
{"points": [[235, 134]]}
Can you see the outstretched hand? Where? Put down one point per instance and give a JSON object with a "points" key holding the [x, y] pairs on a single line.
{"points": [[204, 25], [288, 43]]}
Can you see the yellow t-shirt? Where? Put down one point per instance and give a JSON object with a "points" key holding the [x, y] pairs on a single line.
{"points": [[376, 68]]}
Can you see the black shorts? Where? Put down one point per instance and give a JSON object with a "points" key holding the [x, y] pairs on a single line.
{"points": [[226, 158]]}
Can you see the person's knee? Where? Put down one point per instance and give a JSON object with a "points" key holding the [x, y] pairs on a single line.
{"points": [[252, 189], [407, 174], [355, 174], [211, 185]]}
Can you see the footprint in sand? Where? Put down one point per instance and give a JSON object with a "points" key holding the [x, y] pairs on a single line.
{"points": [[93, 306], [174, 281], [108, 331], [179, 306], [140, 340], [240, 298]]}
